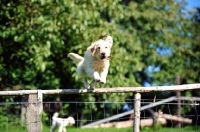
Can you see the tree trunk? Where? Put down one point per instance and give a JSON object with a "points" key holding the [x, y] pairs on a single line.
{"points": [[178, 95]]}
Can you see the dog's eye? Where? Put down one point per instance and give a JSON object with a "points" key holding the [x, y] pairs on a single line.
{"points": [[106, 47], [98, 47]]}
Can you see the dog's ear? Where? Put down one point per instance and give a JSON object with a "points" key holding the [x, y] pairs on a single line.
{"points": [[109, 39], [93, 49]]}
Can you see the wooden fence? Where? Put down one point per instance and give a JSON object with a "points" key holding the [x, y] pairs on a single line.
{"points": [[35, 106]]}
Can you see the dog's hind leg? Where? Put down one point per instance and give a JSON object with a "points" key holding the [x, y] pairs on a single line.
{"points": [[87, 85], [60, 129], [92, 84], [53, 127], [64, 129]]}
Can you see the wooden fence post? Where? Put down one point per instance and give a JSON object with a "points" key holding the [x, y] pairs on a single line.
{"points": [[34, 113], [137, 106]]}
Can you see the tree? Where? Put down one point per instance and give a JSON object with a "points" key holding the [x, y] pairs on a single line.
{"points": [[192, 56]]}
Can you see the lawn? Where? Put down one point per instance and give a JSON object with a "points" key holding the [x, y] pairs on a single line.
{"points": [[72, 129]]}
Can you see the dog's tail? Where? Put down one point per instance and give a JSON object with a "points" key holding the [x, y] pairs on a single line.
{"points": [[75, 57], [55, 115]]}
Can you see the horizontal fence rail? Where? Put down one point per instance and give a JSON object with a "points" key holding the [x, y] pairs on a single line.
{"points": [[106, 90]]}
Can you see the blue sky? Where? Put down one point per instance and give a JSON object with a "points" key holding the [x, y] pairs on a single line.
{"points": [[192, 4]]}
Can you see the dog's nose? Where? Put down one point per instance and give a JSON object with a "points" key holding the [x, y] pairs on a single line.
{"points": [[103, 53]]}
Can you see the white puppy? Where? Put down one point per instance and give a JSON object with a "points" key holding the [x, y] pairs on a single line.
{"points": [[61, 123], [95, 63]]}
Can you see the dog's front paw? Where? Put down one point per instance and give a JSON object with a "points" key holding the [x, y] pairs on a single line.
{"points": [[97, 79], [103, 81]]}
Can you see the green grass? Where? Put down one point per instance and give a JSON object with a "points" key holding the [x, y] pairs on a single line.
{"points": [[169, 129], [99, 130], [72, 129]]}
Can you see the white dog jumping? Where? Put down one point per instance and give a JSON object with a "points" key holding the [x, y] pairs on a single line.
{"points": [[95, 63], [61, 123]]}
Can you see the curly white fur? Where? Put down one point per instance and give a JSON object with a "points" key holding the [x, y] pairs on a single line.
{"points": [[61, 123]]}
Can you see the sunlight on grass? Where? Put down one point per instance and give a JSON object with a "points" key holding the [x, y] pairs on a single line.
{"points": [[73, 129]]}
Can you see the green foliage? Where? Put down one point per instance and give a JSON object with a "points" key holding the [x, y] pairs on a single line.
{"points": [[3, 119], [45, 117], [41, 33], [7, 120]]}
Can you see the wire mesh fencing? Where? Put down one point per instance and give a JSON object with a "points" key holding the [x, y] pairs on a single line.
{"points": [[106, 115]]}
